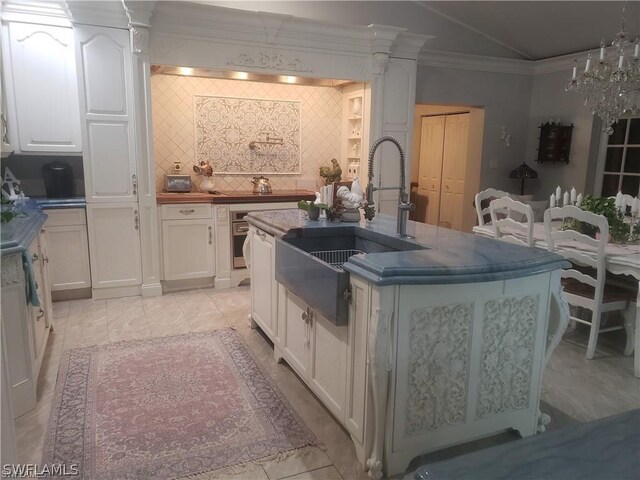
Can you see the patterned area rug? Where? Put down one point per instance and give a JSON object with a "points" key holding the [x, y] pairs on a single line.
{"points": [[168, 407]]}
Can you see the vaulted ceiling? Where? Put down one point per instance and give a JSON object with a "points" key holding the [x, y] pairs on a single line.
{"points": [[530, 30]]}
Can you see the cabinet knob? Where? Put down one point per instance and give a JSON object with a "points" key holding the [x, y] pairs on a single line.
{"points": [[136, 219], [34, 257], [134, 181], [189, 211], [40, 315], [210, 236]]}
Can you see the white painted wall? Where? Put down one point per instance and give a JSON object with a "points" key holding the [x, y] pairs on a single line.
{"points": [[550, 101], [505, 99]]}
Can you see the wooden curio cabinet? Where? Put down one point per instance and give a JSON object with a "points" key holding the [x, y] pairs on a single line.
{"points": [[555, 143]]}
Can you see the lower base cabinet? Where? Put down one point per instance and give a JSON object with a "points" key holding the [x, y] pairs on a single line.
{"points": [[25, 328]]}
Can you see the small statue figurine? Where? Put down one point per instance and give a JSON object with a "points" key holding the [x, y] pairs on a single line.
{"points": [[331, 174]]}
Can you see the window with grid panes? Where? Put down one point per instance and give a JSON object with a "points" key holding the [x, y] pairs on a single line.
{"points": [[622, 160]]}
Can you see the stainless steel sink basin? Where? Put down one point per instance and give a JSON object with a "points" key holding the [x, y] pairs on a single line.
{"points": [[310, 265]]}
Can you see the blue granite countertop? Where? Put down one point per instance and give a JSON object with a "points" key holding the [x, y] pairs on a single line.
{"points": [[50, 203], [17, 235], [603, 449], [450, 256]]}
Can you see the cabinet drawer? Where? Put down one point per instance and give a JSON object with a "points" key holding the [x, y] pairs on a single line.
{"points": [[66, 216], [186, 211]]}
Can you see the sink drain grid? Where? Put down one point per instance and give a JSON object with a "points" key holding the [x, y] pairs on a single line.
{"points": [[335, 258]]}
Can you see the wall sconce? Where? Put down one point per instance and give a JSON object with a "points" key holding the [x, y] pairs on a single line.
{"points": [[523, 172], [505, 136]]}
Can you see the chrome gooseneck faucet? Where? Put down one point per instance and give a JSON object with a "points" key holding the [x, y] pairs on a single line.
{"points": [[404, 206]]}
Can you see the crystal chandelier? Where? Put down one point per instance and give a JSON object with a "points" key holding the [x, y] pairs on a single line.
{"points": [[611, 84]]}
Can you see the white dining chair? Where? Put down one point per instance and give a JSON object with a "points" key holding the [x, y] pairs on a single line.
{"points": [[584, 283], [488, 194], [510, 229]]}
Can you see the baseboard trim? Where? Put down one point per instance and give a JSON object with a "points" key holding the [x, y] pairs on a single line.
{"points": [[177, 285], [151, 290], [73, 294], [115, 292]]}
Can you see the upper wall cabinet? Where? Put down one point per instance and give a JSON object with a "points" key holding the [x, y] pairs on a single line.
{"points": [[42, 93], [103, 56]]}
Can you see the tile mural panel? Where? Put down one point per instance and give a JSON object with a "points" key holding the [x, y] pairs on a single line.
{"points": [[227, 126], [174, 129]]}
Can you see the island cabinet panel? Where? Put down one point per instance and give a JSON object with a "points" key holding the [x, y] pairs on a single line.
{"points": [[296, 337], [356, 382], [327, 375], [469, 360], [264, 287], [68, 247]]}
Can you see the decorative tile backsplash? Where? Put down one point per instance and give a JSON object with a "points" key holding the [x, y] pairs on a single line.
{"points": [[174, 129], [247, 135]]}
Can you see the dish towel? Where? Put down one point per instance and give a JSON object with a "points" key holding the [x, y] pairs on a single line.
{"points": [[32, 291]]}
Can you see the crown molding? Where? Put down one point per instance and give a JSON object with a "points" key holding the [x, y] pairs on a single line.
{"points": [[463, 61], [100, 13], [409, 45], [45, 13], [138, 12]]}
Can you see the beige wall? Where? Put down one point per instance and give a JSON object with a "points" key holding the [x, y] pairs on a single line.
{"points": [[174, 134]]}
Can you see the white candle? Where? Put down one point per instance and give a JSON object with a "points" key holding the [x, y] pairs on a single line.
{"points": [[558, 193], [621, 62], [636, 52], [565, 199], [618, 200], [573, 194], [575, 69], [635, 206], [552, 200], [579, 200], [586, 69], [602, 51]]}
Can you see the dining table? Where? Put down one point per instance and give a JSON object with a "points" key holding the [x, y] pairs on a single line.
{"points": [[620, 259]]}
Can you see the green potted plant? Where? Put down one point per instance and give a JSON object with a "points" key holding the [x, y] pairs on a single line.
{"points": [[618, 229]]}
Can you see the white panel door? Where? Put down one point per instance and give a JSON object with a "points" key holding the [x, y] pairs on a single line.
{"points": [[431, 148], [114, 244], [328, 373], [454, 164], [263, 284], [45, 84], [187, 248], [296, 337], [103, 56], [68, 257]]}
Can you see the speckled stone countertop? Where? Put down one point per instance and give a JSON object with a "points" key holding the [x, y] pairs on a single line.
{"points": [[449, 256], [566, 454], [51, 203], [17, 235]]}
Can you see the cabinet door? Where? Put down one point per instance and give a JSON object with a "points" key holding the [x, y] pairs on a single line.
{"points": [[328, 372], [187, 248], [68, 257], [263, 284], [38, 314], [103, 57], [45, 264], [430, 166], [357, 358], [454, 165], [296, 337], [45, 88], [114, 244]]}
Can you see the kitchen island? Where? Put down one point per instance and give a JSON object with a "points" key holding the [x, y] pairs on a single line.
{"points": [[446, 336]]}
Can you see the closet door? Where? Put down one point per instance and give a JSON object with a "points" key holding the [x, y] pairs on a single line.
{"points": [[453, 170], [431, 150]]}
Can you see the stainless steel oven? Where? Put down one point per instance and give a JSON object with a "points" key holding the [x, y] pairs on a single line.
{"points": [[239, 230]]}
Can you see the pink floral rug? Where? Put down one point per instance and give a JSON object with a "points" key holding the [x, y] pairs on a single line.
{"points": [[168, 407]]}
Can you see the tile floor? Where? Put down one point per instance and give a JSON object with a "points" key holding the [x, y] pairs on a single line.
{"points": [[575, 389]]}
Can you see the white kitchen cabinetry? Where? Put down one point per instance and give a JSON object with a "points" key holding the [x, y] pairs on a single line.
{"points": [[42, 88], [114, 244], [187, 241], [68, 247], [103, 57], [25, 327], [317, 350], [264, 288]]}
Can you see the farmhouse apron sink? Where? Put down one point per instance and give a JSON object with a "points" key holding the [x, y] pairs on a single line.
{"points": [[311, 266]]}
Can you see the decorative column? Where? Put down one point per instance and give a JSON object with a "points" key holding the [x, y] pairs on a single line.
{"points": [[139, 14]]}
